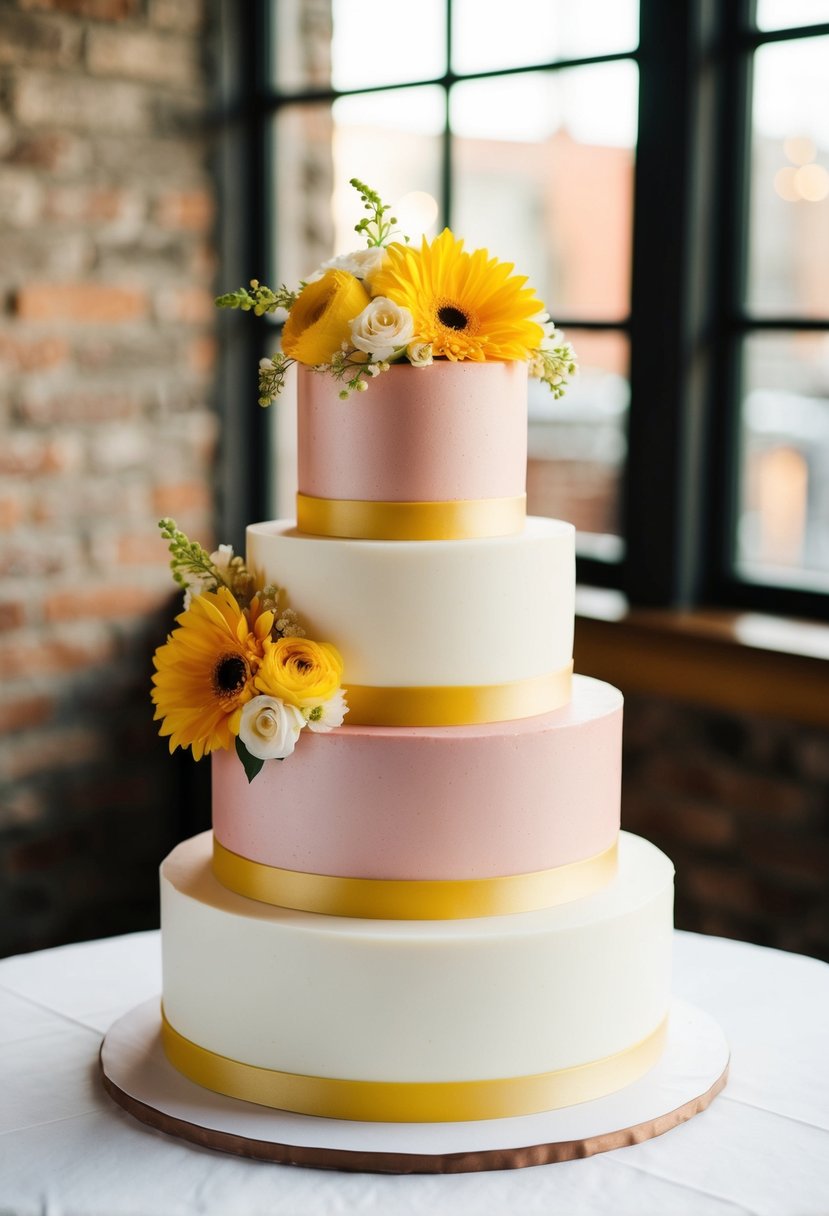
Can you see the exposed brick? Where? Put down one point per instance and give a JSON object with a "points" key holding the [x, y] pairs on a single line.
{"points": [[12, 614], [20, 198], [141, 549], [23, 712], [201, 355], [12, 510], [20, 806], [174, 499], [45, 252], [727, 887], [100, 205], [710, 827], [26, 454], [103, 602], [56, 152], [71, 100], [44, 407], [53, 655], [83, 303], [144, 55], [187, 210], [26, 40], [98, 10], [184, 16], [187, 305], [28, 352], [803, 859]]}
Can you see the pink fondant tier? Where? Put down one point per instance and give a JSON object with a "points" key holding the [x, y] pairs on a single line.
{"points": [[422, 803], [453, 431]]}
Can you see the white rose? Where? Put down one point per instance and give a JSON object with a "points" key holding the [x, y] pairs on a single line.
{"points": [[221, 559], [327, 714], [362, 263], [269, 728], [382, 328], [419, 354]]}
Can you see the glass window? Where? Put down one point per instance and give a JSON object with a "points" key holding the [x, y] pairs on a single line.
{"points": [[789, 222], [488, 35], [788, 14], [783, 508]]}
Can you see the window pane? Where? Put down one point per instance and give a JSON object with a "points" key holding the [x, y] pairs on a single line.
{"points": [[577, 444], [358, 44], [389, 42], [543, 177], [301, 222], [789, 223], [489, 34], [786, 14], [392, 141], [783, 521]]}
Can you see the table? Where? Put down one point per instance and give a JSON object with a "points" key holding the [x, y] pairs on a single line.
{"points": [[67, 1150]]}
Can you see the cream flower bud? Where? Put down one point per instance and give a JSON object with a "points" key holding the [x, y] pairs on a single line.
{"points": [[269, 728], [328, 714], [382, 329], [419, 354], [362, 263]]}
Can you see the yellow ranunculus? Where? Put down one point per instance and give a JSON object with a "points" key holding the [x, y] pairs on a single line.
{"points": [[300, 672], [320, 320]]}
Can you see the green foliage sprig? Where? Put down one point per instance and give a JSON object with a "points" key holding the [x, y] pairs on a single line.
{"points": [[189, 559], [554, 365], [259, 300], [376, 229]]}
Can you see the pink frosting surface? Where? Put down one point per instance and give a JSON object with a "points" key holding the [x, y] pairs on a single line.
{"points": [[434, 802], [436, 434]]}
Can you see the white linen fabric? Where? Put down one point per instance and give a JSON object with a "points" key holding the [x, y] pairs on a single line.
{"points": [[67, 1150]]}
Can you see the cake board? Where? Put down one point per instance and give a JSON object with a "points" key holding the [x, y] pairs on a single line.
{"points": [[138, 1076]]}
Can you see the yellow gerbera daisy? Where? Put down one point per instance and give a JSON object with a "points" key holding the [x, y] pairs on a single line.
{"points": [[205, 671], [467, 305]]}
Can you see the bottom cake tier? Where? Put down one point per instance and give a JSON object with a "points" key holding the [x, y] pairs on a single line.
{"points": [[410, 1021]]}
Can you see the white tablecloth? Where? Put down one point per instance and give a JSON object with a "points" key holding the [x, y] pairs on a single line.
{"points": [[67, 1150]]}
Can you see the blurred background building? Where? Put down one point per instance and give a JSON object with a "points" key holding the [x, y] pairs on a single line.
{"points": [[661, 173]]}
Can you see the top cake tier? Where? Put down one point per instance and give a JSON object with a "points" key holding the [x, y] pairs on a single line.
{"points": [[436, 453]]}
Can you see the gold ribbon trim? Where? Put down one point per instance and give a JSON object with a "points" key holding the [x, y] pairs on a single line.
{"points": [[458, 705], [411, 899], [411, 1101], [360, 519]]}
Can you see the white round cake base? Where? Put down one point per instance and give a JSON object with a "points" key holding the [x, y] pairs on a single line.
{"points": [[689, 1075]]}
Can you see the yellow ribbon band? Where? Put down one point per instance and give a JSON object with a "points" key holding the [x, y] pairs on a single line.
{"points": [[360, 519], [411, 899], [458, 705], [412, 1101]]}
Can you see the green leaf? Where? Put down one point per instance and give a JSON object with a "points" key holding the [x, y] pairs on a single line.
{"points": [[251, 764]]}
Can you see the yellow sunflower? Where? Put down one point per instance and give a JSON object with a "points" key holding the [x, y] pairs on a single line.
{"points": [[467, 305], [205, 671]]}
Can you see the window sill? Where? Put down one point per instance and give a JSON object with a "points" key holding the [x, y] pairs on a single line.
{"points": [[733, 661]]}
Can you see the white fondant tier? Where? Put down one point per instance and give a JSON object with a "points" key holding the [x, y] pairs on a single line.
{"points": [[411, 1001], [484, 612], [426, 803]]}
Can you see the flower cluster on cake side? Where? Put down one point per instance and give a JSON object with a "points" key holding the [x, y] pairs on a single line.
{"points": [[391, 302], [239, 670]]}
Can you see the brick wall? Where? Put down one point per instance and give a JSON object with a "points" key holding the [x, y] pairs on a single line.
{"points": [[106, 423], [741, 805]]}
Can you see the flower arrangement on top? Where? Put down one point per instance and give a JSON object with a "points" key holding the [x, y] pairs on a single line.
{"points": [[360, 312], [239, 670]]}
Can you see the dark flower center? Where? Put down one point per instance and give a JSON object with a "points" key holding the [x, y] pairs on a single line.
{"points": [[230, 674], [302, 665], [452, 318]]}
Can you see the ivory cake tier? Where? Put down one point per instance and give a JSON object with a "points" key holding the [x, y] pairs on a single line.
{"points": [[313, 999], [489, 612], [440, 803]]}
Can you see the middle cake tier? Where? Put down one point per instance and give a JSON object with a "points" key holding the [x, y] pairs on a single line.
{"points": [[430, 822], [434, 632]]}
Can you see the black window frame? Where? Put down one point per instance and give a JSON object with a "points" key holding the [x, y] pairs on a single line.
{"points": [[687, 321]]}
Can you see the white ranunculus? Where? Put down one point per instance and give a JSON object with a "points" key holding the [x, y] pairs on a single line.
{"points": [[327, 714], [382, 328], [362, 263], [419, 354], [269, 728]]}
